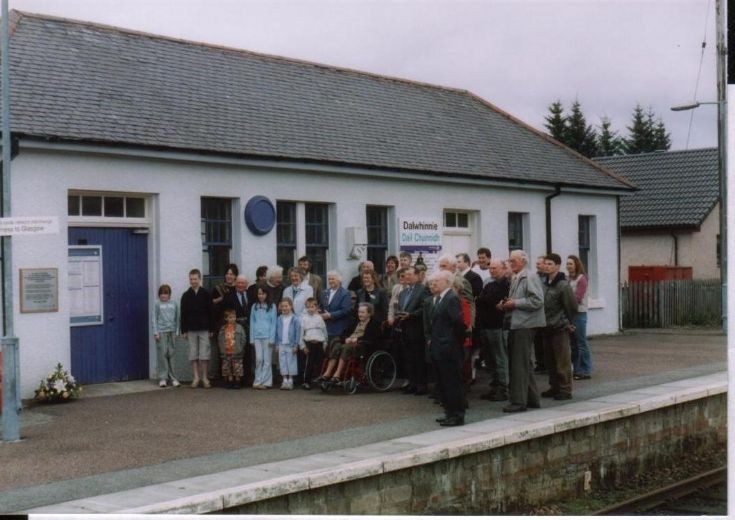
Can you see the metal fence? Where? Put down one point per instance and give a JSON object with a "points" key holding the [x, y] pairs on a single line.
{"points": [[670, 303]]}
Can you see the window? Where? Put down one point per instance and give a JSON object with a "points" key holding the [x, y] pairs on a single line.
{"points": [[456, 219], [106, 206], [588, 250], [216, 239], [377, 235], [317, 236], [584, 240], [285, 234], [515, 231], [302, 229]]}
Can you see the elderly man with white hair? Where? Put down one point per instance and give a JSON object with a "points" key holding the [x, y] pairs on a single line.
{"points": [[525, 303], [336, 306], [445, 337]]}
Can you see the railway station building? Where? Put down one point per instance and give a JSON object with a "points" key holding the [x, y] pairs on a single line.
{"points": [[156, 155]]}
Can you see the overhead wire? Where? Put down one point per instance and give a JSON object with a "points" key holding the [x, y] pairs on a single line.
{"points": [[699, 73]]}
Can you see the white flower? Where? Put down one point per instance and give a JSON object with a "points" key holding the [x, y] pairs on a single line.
{"points": [[59, 385], [71, 379]]}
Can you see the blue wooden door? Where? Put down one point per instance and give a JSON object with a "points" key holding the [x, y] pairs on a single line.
{"points": [[116, 350]]}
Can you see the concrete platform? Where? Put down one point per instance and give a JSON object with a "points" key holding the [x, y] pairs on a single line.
{"points": [[199, 442]]}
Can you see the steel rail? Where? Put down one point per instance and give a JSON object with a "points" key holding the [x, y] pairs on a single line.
{"points": [[665, 494]]}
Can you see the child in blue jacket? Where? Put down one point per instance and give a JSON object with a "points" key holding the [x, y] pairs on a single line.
{"points": [[288, 331], [263, 336]]}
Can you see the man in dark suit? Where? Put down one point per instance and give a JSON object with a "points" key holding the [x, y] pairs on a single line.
{"points": [[464, 268], [240, 301], [445, 345], [410, 323]]}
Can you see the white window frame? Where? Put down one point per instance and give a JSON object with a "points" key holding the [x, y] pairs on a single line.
{"points": [[101, 220]]}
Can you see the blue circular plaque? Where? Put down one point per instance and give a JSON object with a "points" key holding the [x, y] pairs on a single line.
{"points": [[260, 215]]}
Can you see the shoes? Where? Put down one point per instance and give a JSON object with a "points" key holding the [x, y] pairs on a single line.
{"points": [[421, 391], [441, 419], [562, 397], [175, 383], [258, 387], [284, 384], [548, 393], [306, 386], [318, 380], [534, 405], [162, 383], [405, 384], [579, 377], [289, 384], [195, 383], [409, 390], [513, 408], [452, 421], [206, 383], [335, 381], [499, 397]]}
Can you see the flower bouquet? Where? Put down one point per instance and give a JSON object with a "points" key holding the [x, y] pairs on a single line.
{"points": [[59, 386]]}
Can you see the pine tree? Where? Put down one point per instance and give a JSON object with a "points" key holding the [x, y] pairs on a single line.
{"points": [[640, 139], [661, 138], [646, 134], [556, 121], [608, 142], [578, 135]]}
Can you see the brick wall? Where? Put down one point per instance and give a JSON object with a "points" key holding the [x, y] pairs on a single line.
{"points": [[518, 476]]}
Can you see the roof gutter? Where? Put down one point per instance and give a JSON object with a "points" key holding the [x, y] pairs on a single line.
{"points": [[556, 193]]}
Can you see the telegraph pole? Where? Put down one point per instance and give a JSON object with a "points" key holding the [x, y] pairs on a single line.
{"points": [[9, 343]]}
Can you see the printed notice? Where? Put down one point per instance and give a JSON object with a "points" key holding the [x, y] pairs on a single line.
{"points": [[39, 290], [12, 226], [85, 285]]}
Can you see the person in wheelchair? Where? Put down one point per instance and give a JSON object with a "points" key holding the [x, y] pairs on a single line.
{"points": [[362, 337]]}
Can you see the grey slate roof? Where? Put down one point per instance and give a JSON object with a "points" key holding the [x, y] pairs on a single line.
{"points": [[677, 189], [80, 81]]}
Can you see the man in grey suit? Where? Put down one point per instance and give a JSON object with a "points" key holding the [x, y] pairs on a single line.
{"points": [[526, 305], [445, 346]]}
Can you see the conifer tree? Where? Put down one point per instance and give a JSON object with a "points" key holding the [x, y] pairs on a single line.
{"points": [[608, 141], [578, 135], [640, 138], [556, 121], [661, 138]]}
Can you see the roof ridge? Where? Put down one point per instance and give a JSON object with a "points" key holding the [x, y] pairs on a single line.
{"points": [[275, 57], [547, 137], [658, 153]]}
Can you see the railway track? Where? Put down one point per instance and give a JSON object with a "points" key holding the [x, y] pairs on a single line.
{"points": [[704, 494]]}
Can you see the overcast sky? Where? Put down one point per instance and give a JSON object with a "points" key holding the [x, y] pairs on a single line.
{"points": [[518, 54]]}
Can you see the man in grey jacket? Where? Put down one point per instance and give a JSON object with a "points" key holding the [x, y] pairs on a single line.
{"points": [[560, 306], [525, 302]]}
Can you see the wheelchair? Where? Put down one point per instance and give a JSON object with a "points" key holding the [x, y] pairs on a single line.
{"points": [[376, 369]]}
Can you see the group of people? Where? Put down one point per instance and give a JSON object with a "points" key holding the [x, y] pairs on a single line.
{"points": [[439, 326]]}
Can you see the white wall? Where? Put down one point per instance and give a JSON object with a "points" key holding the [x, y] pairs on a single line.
{"points": [[696, 249], [699, 249], [602, 316], [41, 180]]}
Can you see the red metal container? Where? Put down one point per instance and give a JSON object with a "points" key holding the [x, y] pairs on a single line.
{"points": [[657, 273]]}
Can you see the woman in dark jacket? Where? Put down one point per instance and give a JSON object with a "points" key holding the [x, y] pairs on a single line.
{"points": [[372, 293]]}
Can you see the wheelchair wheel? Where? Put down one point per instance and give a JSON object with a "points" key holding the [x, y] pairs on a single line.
{"points": [[381, 370], [350, 385]]}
